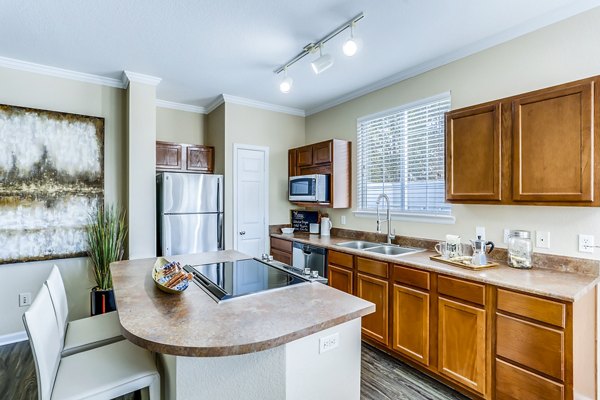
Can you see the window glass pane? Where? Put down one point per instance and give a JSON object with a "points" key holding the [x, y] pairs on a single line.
{"points": [[401, 154]]}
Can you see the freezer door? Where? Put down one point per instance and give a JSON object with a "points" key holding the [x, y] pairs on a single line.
{"points": [[191, 233], [190, 193]]}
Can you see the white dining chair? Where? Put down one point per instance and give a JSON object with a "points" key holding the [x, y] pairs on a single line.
{"points": [[102, 373], [81, 334]]}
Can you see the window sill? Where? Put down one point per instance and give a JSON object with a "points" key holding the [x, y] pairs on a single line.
{"points": [[397, 216]]}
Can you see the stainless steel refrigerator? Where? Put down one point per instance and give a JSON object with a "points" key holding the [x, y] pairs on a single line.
{"points": [[190, 213]]}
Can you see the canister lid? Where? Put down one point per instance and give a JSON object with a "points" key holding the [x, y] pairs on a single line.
{"points": [[520, 234]]}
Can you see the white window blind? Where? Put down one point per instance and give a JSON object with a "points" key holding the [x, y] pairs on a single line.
{"points": [[401, 154]]}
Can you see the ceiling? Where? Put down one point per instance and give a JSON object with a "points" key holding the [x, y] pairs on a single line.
{"points": [[204, 48]]}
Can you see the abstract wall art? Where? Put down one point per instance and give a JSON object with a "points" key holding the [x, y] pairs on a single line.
{"points": [[51, 180]]}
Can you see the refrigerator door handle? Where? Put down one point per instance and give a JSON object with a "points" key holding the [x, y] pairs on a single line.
{"points": [[166, 238], [220, 231]]}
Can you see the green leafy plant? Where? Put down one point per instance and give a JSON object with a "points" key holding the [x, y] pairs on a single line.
{"points": [[106, 243]]}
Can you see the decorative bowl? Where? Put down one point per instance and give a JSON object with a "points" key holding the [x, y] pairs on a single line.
{"points": [[287, 231], [169, 276]]}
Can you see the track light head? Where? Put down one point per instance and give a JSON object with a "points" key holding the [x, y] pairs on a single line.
{"points": [[286, 84], [350, 46], [323, 63]]}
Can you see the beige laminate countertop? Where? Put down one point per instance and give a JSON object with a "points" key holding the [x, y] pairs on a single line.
{"points": [[193, 324], [559, 285]]}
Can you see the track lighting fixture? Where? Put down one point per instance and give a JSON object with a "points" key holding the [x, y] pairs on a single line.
{"points": [[322, 63], [325, 61], [286, 83], [350, 46]]}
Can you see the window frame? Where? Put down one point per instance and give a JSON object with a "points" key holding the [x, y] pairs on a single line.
{"points": [[397, 214]]}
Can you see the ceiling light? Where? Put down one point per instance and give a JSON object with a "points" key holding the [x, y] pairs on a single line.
{"points": [[323, 63], [350, 46], [286, 83]]}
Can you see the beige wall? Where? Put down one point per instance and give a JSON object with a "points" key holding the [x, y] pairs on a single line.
{"points": [[279, 132], [48, 93], [180, 126], [215, 136], [557, 54]]}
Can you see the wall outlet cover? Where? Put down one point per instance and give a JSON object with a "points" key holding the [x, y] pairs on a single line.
{"points": [[542, 239], [586, 243], [24, 299], [329, 342], [343, 220], [506, 233], [480, 231]]}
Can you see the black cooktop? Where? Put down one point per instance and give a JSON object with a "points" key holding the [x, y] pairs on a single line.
{"points": [[231, 279]]}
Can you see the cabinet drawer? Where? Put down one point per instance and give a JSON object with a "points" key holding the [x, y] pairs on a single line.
{"points": [[373, 267], [548, 311], [281, 256], [412, 277], [514, 383], [531, 345], [469, 291], [282, 245], [341, 259]]}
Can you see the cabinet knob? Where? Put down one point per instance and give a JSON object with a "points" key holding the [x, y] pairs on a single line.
{"points": [[242, 233]]}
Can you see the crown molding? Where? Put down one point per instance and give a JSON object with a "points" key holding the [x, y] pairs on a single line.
{"points": [[129, 76], [262, 105], [180, 106], [213, 105], [491, 41], [59, 72]]}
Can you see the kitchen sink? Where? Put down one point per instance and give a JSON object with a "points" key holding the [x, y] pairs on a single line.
{"points": [[393, 250], [358, 244]]}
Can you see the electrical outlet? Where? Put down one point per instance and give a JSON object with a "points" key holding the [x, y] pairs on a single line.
{"points": [[329, 342], [24, 299], [506, 233], [542, 239], [343, 220], [480, 231], [586, 243]]}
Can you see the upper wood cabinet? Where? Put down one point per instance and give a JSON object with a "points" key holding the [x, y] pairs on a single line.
{"points": [[537, 148], [473, 153], [184, 157], [333, 158], [553, 141]]}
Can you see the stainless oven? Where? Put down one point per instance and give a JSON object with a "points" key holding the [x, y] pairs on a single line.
{"points": [[313, 188]]}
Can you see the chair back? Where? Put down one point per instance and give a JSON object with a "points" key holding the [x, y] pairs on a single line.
{"points": [[44, 339], [58, 294]]}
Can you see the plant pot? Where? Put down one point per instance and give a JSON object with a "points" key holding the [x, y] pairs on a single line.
{"points": [[102, 301]]}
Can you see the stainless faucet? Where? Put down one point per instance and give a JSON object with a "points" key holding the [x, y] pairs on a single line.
{"points": [[390, 235]]}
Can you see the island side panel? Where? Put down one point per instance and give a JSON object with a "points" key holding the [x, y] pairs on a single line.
{"points": [[331, 375]]}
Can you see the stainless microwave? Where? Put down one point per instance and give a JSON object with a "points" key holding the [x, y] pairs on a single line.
{"points": [[313, 188]]}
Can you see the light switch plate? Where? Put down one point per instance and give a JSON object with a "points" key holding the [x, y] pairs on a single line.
{"points": [[542, 239], [329, 342], [343, 220]]}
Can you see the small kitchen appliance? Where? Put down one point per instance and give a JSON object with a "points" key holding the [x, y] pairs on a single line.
{"points": [[309, 188], [326, 226], [480, 248]]}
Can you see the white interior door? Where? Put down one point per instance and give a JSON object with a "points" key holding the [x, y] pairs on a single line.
{"points": [[250, 192]]}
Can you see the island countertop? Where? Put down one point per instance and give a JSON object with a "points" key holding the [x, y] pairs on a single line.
{"points": [[193, 324]]}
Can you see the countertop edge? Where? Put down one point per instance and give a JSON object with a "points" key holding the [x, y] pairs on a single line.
{"points": [[248, 348], [459, 273]]}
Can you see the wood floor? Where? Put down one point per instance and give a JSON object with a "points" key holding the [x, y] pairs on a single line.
{"points": [[382, 377]]}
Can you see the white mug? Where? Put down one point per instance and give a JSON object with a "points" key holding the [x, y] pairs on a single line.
{"points": [[313, 228]]}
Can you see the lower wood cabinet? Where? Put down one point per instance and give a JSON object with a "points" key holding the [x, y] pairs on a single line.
{"points": [[411, 323], [461, 343], [281, 256], [375, 290], [341, 278], [514, 383], [281, 250]]}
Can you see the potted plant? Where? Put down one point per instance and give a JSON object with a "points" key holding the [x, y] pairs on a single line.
{"points": [[106, 241]]}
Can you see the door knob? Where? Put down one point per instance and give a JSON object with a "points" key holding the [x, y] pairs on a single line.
{"points": [[242, 233]]}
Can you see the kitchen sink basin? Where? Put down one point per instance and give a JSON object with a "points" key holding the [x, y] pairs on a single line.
{"points": [[358, 244], [393, 250]]}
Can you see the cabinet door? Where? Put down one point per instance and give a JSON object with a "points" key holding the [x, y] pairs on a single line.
{"points": [[340, 278], [304, 156], [168, 156], [292, 162], [200, 159], [281, 256], [375, 290], [322, 153], [461, 343], [473, 152], [553, 145], [411, 323]]}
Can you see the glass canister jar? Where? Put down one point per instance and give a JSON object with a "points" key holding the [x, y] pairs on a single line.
{"points": [[520, 249]]}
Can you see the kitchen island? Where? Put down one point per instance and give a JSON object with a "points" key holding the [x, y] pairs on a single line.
{"points": [[262, 346]]}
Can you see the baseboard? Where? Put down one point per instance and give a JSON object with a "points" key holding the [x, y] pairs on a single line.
{"points": [[578, 396], [13, 338]]}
